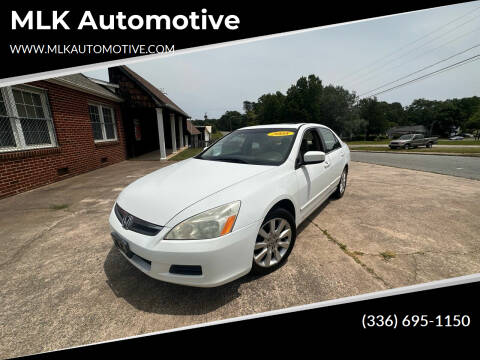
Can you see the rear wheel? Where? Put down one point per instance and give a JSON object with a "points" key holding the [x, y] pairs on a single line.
{"points": [[342, 185], [275, 241]]}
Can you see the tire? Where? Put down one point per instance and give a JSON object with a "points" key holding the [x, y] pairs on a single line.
{"points": [[273, 243], [429, 145], [342, 185], [406, 146]]}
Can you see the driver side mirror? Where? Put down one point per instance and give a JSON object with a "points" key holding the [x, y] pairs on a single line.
{"points": [[313, 157]]}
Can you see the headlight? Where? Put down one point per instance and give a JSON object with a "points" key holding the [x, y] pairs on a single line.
{"points": [[208, 224]]}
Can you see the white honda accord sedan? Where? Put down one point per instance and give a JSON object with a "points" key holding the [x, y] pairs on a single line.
{"points": [[232, 209]]}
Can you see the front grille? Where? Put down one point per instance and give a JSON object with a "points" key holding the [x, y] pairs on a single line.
{"points": [[130, 222]]}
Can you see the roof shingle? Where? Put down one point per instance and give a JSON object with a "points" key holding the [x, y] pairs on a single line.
{"points": [[82, 83], [192, 129], [156, 93]]}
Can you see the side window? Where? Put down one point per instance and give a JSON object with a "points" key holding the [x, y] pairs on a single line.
{"points": [[330, 140], [310, 142]]}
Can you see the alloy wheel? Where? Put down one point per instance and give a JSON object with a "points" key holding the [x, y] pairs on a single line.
{"points": [[273, 242], [343, 182]]}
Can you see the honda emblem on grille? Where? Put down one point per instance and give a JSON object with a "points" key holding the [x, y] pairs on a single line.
{"points": [[127, 221]]}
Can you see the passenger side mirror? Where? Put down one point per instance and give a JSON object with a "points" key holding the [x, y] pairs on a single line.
{"points": [[313, 157]]}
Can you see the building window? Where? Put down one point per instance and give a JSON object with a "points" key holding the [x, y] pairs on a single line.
{"points": [[25, 120], [103, 122]]}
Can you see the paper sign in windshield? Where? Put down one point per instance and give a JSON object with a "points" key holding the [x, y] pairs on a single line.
{"points": [[281, 133]]}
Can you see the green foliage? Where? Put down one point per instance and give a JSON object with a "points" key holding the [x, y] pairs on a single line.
{"points": [[308, 100], [473, 123], [373, 112], [440, 117]]}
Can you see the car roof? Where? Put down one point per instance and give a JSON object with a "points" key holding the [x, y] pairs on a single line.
{"points": [[280, 126]]}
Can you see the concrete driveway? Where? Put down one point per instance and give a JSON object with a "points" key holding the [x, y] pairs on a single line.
{"points": [[64, 284]]}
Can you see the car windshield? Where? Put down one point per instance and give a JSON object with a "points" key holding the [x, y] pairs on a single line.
{"points": [[406, 137], [262, 146]]}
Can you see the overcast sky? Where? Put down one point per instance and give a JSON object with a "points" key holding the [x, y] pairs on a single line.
{"points": [[217, 80]]}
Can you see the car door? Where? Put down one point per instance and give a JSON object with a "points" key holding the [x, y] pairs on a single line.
{"points": [[334, 158], [311, 179], [415, 141], [418, 141]]}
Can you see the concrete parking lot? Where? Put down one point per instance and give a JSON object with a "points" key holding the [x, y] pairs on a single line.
{"points": [[64, 284]]}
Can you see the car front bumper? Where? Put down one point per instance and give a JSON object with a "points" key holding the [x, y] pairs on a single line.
{"points": [[222, 259]]}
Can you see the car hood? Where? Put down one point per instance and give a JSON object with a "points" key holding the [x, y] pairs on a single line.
{"points": [[159, 196]]}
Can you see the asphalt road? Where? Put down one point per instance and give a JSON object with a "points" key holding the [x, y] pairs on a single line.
{"points": [[462, 166]]}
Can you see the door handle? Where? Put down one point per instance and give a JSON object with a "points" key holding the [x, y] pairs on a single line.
{"points": [[327, 164]]}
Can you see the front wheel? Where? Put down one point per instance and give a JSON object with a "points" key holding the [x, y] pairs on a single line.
{"points": [[429, 145], [275, 241], [407, 146]]}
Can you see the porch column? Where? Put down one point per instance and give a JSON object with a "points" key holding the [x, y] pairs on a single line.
{"points": [[186, 140], [161, 134], [174, 136], [180, 131]]}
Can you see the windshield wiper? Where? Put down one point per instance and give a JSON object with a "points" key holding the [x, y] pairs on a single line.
{"points": [[233, 160]]}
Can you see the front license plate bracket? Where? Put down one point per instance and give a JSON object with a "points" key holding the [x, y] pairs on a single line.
{"points": [[122, 245]]}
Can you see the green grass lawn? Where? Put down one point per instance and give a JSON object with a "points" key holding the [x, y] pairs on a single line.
{"points": [[460, 142], [185, 154], [440, 142], [432, 150], [368, 142], [216, 136]]}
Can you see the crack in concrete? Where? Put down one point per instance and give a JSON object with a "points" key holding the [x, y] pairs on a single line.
{"points": [[352, 255], [423, 252], [415, 269]]}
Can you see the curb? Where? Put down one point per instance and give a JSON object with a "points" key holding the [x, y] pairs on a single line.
{"points": [[417, 153]]}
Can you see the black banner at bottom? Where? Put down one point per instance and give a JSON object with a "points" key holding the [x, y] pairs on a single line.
{"points": [[447, 314]]}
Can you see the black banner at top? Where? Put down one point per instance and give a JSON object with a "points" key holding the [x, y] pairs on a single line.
{"points": [[50, 37]]}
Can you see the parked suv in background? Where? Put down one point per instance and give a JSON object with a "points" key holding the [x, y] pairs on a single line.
{"points": [[232, 209], [410, 141]]}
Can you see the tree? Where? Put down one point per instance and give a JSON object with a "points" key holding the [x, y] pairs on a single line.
{"points": [[231, 120], [394, 114], [473, 124], [372, 112], [337, 109], [269, 108], [354, 126], [308, 100], [302, 103], [251, 117]]}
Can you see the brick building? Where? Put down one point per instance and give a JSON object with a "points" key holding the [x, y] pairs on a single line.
{"points": [[57, 128]]}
